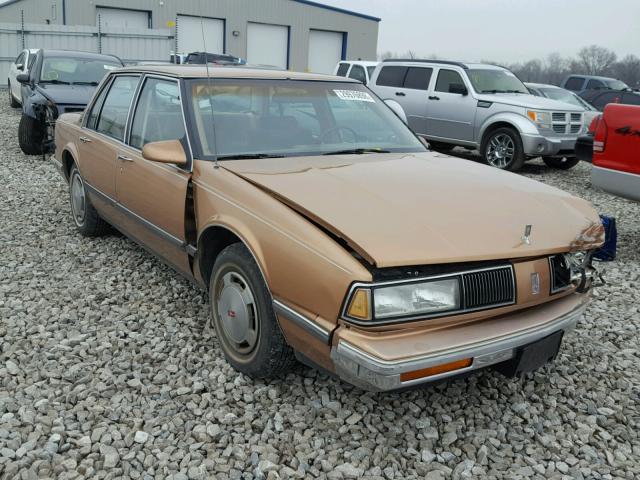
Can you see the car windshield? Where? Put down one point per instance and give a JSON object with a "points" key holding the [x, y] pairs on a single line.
{"points": [[616, 85], [263, 118], [566, 96], [76, 71], [485, 80]]}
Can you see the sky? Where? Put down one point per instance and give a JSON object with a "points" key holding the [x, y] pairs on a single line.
{"points": [[501, 30]]}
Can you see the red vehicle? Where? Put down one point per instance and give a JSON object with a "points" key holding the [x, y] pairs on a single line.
{"points": [[613, 146]]}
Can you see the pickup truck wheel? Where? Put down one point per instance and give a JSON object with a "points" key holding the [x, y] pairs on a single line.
{"points": [[502, 148], [12, 100], [31, 135], [562, 163], [85, 216], [243, 316]]}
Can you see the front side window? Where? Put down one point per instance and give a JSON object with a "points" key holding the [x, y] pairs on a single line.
{"points": [[114, 112], [243, 118], [342, 70], [574, 83], [392, 76], [158, 115], [494, 80], [447, 78], [616, 85], [76, 71], [357, 73], [20, 60]]}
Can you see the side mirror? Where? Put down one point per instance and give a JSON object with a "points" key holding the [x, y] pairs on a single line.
{"points": [[165, 151], [458, 88], [397, 109], [23, 78]]}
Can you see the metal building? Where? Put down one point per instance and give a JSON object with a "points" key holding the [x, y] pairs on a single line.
{"points": [[294, 34]]}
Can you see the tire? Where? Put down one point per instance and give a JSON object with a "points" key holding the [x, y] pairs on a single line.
{"points": [[561, 163], [243, 316], [13, 103], [31, 135], [86, 218], [502, 148], [441, 146]]}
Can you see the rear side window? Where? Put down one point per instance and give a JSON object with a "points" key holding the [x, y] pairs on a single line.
{"points": [[113, 116], [358, 73], [391, 76], [446, 78], [95, 110], [343, 69], [158, 113], [593, 84], [574, 83], [418, 78]]}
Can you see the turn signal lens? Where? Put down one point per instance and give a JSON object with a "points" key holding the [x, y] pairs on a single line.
{"points": [[532, 115], [436, 370], [360, 306]]}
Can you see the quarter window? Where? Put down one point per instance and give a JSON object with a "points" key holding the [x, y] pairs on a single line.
{"points": [[418, 78], [158, 115], [357, 73], [446, 78], [392, 76], [115, 110]]}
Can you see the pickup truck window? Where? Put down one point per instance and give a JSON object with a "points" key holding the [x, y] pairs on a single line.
{"points": [[357, 73], [158, 115], [593, 84], [113, 115]]}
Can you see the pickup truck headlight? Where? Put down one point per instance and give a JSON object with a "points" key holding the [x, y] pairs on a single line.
{"points": [[541, 119], [405, 300]]}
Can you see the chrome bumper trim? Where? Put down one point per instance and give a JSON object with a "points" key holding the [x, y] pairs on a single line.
{"points": [[303, 322], [373, 373]]}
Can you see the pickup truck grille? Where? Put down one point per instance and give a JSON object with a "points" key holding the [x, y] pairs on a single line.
{"points": [[566, 123], [488, 288]]}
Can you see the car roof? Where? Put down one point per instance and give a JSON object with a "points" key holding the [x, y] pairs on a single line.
{"points": [[591, 77], [542, 85], [77, 54], [465, 65], [366, 63], [200, 71]]}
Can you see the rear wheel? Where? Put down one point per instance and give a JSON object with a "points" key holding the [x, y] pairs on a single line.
{"points": [[243, 316], [561, 163], [502, 148], [85, 216], [12, 100], [31, 135]]}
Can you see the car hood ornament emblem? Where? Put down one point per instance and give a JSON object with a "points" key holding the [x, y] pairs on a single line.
{"points": [[526, 238]]}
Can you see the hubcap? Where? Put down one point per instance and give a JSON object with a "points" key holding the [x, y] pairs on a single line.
{"points": [[77, 199], [500, 150], [237, 314]]}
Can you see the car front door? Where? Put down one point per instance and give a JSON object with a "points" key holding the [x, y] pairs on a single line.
{"points": [[100, 139], [151, 195], [450, 114]]}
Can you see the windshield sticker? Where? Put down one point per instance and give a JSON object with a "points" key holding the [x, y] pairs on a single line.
{"points": [[354, 96], [109, 67]]}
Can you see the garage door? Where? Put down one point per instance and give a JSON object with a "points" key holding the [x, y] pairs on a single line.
{"points": [[190, 34], [325, 50], [268, 45], [119, 18]]}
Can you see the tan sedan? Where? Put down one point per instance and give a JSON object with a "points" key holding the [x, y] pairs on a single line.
{"points": [[324, 230]]}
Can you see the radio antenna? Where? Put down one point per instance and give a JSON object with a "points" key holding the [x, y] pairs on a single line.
{"points": [[206, 64]]}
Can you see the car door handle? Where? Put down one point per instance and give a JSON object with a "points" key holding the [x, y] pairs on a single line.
{"points": [[401, 94], [124, 158], [85, 139], [433, 97]]}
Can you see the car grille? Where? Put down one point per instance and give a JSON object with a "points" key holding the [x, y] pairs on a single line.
{"points": [[566, 123], [488, 288]]}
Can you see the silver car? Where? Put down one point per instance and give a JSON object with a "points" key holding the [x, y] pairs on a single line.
{"points": [[482, 107]]}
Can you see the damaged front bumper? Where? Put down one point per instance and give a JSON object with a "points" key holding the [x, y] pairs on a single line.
{"points": [[371, 372]]}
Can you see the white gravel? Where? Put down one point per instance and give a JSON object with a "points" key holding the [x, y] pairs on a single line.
{"points": [[105, 372]]}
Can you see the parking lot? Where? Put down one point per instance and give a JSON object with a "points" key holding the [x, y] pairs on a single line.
{"points": [[107, 370]]}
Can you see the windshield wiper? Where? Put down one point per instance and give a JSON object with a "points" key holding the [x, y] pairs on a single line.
{"points": [[58, 82], [248, 156], [86, 83], [357, 151]]}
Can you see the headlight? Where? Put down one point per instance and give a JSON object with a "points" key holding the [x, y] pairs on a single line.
{"points": [[542, 119], [406, 300]]}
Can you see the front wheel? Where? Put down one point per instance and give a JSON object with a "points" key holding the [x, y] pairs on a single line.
{"points": [[502, 148], [12, 100], [85, 216], [31, 135], [243, 316], [561, 163]]}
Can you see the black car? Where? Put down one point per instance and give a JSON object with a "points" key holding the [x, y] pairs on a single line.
{"points": [[601, 97], [59, 81]]}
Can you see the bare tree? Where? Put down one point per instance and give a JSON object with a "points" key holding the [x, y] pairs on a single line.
{"points": [[628, 70], [596, 60]]}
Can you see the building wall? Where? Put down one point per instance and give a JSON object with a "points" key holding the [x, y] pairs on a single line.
{"points": [[362, 33]]}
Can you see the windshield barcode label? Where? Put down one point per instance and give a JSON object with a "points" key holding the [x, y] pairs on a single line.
{"points": [[354, 96]]}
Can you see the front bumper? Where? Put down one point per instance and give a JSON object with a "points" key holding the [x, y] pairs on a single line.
{"points": [[541, 146], [371, 372]]}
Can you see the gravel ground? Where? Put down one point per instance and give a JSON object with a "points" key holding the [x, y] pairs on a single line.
{"points": [[105, 372]]}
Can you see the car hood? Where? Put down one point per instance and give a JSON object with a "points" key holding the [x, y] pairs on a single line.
{"points": [[529, 101], [425, 208], [67, 94]]}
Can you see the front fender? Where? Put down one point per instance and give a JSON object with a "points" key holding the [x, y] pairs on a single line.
{"points": [[33, 103], [519, 122]]}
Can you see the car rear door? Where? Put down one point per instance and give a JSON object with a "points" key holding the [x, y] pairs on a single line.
{"points": [[152, 195]]}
